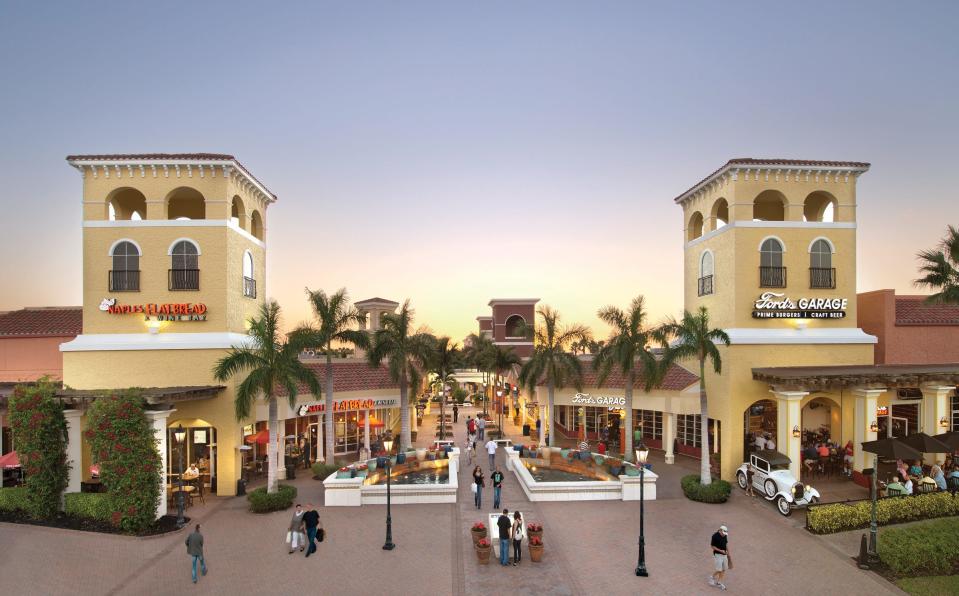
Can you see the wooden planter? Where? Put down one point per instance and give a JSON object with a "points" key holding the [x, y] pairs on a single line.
{"points": [[478, 535], [482, 554], [535, 553]]}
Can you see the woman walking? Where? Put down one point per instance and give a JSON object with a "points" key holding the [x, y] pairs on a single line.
{"points": [[519, 532], [469, 452], [295, 536], [478, 484]]}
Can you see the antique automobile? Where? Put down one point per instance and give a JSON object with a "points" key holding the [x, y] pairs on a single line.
{"points": [[772, 478]]}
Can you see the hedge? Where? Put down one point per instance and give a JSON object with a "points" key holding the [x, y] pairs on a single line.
{"points": [[322, 470], [89, 505], [931, 548], [840, 517], [717, 492], [263, 502], [14, 499]]}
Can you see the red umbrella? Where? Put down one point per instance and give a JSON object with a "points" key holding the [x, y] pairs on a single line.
{"points": [[262, 437], [9, 461]]}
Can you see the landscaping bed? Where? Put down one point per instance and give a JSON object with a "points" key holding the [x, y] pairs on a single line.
{"points": [[717, 492], [840, 517], [164, 525]]}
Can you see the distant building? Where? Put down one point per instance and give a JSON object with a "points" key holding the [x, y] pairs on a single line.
{"points": [[909, 330]]}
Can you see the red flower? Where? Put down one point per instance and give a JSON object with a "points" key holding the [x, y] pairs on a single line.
{"points": [[535, 541], [483, 543], [535, 527], [479, 526]]}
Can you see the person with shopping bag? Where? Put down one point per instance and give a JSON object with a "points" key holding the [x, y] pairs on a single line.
{"points": [[294, 535]]}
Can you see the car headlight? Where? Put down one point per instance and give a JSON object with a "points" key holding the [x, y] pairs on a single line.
{"points": [[808, 488]]}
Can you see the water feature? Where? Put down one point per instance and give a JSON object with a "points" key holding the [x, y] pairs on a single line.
{"points": [[427, 476]]}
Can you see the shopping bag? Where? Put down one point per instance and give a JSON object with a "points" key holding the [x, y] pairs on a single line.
{"points": [[289, 537], [473, 487], [320, 535]]}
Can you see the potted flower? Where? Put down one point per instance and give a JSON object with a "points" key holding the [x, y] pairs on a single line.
{"points": [[478, 531], [535, 549], [534, 530], [483, 549]]}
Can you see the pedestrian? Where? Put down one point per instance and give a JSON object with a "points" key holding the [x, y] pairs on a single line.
{"points": [[505, 527], [194, 548], [482, 428], [539, 424], [470, 425], [478, 484], [497, 478], [749, 480], [491, 451], [720, 550], [311, 519], [469, 450], [519, 532], [295, 533], [456, 413]]}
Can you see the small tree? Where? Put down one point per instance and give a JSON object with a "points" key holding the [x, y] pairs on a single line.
{"points": [[40, 434], [124, 445]]}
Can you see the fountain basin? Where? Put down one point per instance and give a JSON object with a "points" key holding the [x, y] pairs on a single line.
{"points": [[552, 477], [411, 482]]}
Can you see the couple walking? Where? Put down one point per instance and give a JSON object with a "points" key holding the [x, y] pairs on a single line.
{"points": [[510, 531], [479, 481], [308, 521]]}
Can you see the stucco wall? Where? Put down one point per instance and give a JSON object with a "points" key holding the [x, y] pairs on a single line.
{"points": [[28, 359]]}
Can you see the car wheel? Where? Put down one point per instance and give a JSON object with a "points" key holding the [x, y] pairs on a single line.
{"points": [[741, 479], [770, 487], [783, 506]]}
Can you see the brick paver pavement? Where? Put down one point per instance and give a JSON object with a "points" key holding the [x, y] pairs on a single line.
{"points": [[590, 549]]}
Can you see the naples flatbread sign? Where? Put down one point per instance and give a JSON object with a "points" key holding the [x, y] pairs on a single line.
{"points": [[173, 311], [772, 305]]}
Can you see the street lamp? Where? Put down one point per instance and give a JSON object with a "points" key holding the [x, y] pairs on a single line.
{"points": [[499, 395], [180, 434], [641, 454], [388, 445]]}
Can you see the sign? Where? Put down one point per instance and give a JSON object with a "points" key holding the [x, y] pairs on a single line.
{"points": [[599, 400], [772, 305], [882, 411], [345, 405], [180, 311]]}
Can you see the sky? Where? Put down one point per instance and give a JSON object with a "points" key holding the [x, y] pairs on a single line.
{"points": [[453, 152]]}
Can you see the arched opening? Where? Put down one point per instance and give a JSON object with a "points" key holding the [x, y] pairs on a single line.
{"points": [[249, 282], [695, 229], [720, 213], [514, 326], [125, 274], [706, 273], [238, 213], [184, 266], [769, 205], [256, 225], [760, 427], [196, 450], [772, 274], [821, 272], [819, 206], [125, 204], [185, 203]]}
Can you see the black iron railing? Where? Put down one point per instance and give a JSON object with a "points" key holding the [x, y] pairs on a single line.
{"points": [[705, 285], [249, 287], [124, 280], [772, 277], [822, 277], [184, 279]]}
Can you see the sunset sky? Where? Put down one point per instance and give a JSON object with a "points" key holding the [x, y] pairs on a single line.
{"points": [[450, 152]]}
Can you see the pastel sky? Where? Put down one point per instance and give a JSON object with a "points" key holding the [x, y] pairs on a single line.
{"points": [[450, 152]]}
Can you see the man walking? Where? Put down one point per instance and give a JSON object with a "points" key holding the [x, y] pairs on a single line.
{"points": [[482, 428], [491, 450], [456, 414], [194, 548], [497, 486], [720, 549], [505, 527], [311, 519]]}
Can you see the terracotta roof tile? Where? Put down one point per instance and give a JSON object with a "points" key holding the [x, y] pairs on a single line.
{"points": [[913, 310], [677, 378], [350, 376], [42, 322]]}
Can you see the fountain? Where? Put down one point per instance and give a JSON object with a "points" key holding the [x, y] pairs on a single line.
{"points": [[413, 479], [554, 474]]}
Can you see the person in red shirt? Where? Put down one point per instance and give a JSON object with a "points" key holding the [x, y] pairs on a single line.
{"points": [[601, 448]]}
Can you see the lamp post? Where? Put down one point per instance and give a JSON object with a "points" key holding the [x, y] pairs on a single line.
{"points": [[388, 445], [499, 395], [641, 454], [179, 434]]}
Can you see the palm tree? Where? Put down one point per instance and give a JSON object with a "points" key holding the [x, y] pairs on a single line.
{"points": [[408, 353], [269, 364], [940, 268], [627, 350], [693, 338], [336, 319], [445, 357], [479, 354], [502, 360], [550, 361]]}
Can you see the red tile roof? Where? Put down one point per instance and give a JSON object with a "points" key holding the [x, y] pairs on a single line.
{"points": [[54, 321], [913, 310], [677, 378], [350, 375]]}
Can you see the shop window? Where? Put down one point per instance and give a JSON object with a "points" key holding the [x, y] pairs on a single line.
{"points": [[125, 274], [688, 430], [955, 413], [650, 422], [185, 266]]}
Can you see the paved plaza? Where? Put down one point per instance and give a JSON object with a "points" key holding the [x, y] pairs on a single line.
{"points": [[591, 548]]}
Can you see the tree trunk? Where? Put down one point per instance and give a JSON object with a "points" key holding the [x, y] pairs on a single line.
{"points": [[628, 421], [271, 462], [704, 475], [405, 441], [552, 414], [328, 410], [442, 405]]}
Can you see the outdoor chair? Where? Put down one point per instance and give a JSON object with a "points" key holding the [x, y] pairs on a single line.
{"points": [[893, 492], [927, 487], [953, 485]]}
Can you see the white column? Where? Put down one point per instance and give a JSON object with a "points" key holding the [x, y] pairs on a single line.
{"points": [[320, 456], [158, 420], [74, 450], [366, 432], [865, 415], [413, 425], [281, 449], [935, 406], [543, 427], [669, 435], [789, 415]]}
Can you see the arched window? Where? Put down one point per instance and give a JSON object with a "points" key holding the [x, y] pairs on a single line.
{"points": [[720, 213], [821, 273], [695, 229], [126, 204], [772, 274], [185, 203], [249, 282], [819, 206], [125, 275], [256, 225], [514, 326], [238, 213], [184, 266], [769, 205], [706, 273]]}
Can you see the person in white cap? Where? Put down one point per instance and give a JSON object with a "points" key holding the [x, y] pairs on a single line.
{"points": [[720, 557]]}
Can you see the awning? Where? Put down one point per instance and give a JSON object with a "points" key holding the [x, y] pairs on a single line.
{"points": [[9, 461], [262, 437]]}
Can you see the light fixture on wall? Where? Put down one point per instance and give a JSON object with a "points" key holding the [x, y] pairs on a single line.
{"points": [[944, 422], [796, 432], [153, 326], [874, 427]]}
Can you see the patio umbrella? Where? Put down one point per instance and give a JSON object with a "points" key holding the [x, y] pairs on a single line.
{"points": [[262, 437], [891, 449], [925, 443], [10, 461], [951, 439]]}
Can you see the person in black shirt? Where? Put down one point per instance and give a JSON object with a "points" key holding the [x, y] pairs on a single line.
{"points": [[456, 413], [497, 478], [311, 519], [505, 527], [720, 550]]}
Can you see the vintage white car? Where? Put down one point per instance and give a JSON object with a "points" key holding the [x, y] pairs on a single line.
{"points": [[772, 478]]}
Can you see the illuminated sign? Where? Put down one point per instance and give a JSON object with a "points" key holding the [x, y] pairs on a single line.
{"points": [[882, 411], [599, 400], [771, 305], [345, 405], [179, 311]]}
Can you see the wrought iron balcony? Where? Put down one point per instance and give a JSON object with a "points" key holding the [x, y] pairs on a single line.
{"points": [[822, 277], [705, 285], [249, 287], [772, 277], [124, 280], [184, 279]]}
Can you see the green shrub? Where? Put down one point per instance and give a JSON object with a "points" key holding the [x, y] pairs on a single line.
{"points": [[840, 517], [14, 499], [322, 470], [930, 548], [89, 505], [717, 492], [40, 434], [263, 502]]}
